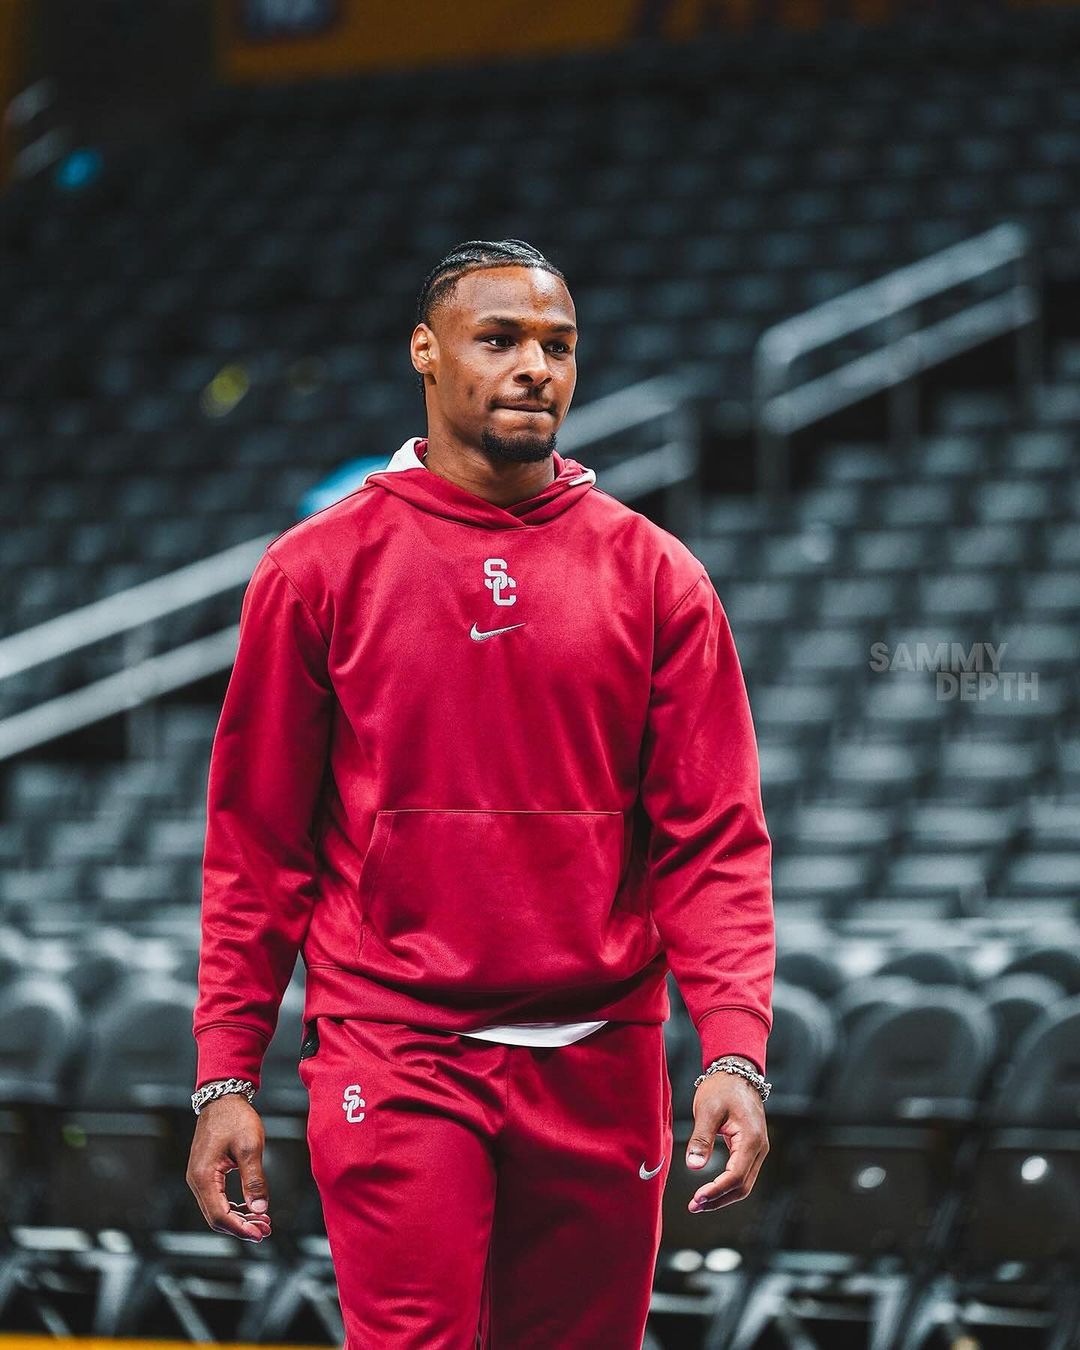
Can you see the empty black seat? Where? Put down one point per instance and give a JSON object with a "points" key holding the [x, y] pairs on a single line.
{"points": [[1022, 1201], [1057, 961], [929, 965], [124, 1138], [818, 972], [1015, 1001], [880, 1168], [40, 1037]]}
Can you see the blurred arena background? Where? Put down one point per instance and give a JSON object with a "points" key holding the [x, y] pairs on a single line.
{"points": [[826, 263]]}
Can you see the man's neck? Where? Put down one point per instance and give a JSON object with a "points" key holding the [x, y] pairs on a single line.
{"points": [[502, 484]]}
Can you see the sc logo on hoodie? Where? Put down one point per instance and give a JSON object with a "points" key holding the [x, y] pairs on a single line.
{"points": [[497, 580]]}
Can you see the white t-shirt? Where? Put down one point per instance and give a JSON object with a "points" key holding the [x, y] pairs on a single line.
{"points": [[537, 1033]]}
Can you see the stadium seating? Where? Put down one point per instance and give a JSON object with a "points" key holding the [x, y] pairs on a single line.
{"points": [[193, 344]]}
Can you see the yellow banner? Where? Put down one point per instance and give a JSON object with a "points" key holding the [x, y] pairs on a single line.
{"points": [[269, 40], [253, 41]]}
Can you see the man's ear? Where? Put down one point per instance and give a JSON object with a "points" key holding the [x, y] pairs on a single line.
{"points": [[424, 348]]}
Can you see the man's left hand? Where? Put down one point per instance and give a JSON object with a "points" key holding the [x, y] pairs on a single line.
{"points": [[727, 1104]]}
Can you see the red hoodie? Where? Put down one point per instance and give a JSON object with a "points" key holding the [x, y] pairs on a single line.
{"points": [[483, 765]]}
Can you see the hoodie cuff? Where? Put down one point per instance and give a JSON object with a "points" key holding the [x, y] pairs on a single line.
{"points": [[733, 1031], [231, 1051]]}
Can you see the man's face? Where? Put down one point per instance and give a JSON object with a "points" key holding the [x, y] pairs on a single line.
{"points": [[502, 353]]}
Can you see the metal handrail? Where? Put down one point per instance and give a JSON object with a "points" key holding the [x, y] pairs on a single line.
{"points": [[672, 469], [130, 609], [128, 689], [783, 406]]}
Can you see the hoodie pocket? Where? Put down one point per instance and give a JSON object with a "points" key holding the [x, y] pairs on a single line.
{"points": [[498, 901]]}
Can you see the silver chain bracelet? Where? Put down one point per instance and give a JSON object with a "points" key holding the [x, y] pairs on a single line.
{"points": [[220, 1088], [728, 1065]]}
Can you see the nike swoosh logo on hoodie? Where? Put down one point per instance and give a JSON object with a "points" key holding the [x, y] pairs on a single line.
{"points": [[477, 636]]}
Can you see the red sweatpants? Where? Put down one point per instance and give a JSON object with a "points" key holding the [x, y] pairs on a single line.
{"points": [[481, 1194]]}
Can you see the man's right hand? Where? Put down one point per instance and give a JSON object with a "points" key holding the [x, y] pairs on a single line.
{"points": [[229, 1134]]}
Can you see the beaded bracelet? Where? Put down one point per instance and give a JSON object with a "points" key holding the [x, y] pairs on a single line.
{"points": [[729, 1065]]}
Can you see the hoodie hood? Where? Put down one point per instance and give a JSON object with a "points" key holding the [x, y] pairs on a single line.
{"points": [[408, 476]]}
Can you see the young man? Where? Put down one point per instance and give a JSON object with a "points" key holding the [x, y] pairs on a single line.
{"points": [[486, 757]]}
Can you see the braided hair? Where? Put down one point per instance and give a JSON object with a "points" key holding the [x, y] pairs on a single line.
{"points": [[470, 256]]}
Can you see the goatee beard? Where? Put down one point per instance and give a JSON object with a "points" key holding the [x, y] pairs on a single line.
{"points": [[520, 449]]}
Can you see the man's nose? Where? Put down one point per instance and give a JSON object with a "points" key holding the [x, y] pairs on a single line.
{"points": [[533, 368]]}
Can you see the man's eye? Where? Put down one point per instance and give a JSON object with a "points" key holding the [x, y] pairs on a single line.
{"points": [[503, 337]]}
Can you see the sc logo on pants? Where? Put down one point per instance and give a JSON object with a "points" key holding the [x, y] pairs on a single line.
{"points": [[352, 1103]]}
